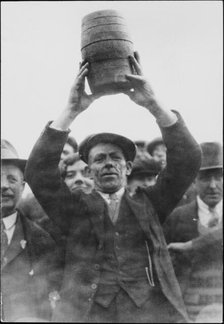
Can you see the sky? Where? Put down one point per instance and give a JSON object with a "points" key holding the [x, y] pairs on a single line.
{"points": [[181, 48]]}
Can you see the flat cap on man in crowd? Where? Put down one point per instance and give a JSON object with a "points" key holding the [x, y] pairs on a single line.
{"points": [[212, 155], [144, 164], [151, 145], [9, 154], [126, 145]]}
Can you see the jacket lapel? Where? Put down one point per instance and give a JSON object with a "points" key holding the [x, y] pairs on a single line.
{"points": [[96, 206], [140, 212], [192, 219], [18, 244]]}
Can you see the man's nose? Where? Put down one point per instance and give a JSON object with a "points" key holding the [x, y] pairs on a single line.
{"points": [[4, 183], [79, 179], [109, 162], [212, 183]]}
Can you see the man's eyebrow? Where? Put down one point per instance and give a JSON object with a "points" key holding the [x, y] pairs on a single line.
{"points": [[99, 155]]}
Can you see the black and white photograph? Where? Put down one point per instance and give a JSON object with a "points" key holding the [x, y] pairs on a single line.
{"points": [[112, 161]]}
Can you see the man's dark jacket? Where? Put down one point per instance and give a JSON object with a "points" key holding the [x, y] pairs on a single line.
{"points": [[81, 216], [182, 226], [29, 273]]}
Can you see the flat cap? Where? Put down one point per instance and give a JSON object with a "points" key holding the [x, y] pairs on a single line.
{"points": [[151, 145], [144, 164], [126, 145]]}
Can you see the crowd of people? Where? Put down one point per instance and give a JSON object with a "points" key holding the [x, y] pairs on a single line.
{"points": [[112, 231]]}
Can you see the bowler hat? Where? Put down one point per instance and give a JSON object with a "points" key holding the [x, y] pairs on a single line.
{"points": [[211, 155], [9, 154], [151, 145], [126, 145]]}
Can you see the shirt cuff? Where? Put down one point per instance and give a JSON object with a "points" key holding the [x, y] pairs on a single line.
{"points": [[171, 123], [58, 128]]}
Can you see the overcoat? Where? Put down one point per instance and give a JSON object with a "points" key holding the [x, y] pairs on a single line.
{"points": [[81, 216], [29, 273]]}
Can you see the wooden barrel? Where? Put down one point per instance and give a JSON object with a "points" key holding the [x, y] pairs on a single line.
{"points": [[106, 45]]}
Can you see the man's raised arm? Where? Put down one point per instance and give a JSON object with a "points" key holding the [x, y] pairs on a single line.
{"points": [[183, 152], [42, 172]]}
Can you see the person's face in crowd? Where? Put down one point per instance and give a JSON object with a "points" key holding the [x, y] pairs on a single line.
{"points": [[209, 186], [159, 154], [12, 185], [141, 180], [140, 149], [67, 150], [108, 167], [76, 177]]}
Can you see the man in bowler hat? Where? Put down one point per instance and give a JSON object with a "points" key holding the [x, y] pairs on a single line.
{"points": [[194, 235], [29, 269], [117, 268]]}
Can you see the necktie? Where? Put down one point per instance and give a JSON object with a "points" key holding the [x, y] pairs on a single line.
{"points": [[113, 207], [214, 220], [4, 239]]}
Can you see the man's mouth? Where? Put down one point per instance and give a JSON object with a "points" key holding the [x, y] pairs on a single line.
{"points": [[109, 174], [212, 194], [80, 187], [7, 197]]}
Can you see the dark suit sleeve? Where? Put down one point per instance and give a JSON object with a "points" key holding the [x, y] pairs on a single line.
{"points": [[169, 227], [43, 176], [183, 163]]}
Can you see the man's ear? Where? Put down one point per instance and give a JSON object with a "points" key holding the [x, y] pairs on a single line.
{"points": [[129, 166]]}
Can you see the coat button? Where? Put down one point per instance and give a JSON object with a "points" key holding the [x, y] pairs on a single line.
{"points": [[93, 286], [96, 266]]}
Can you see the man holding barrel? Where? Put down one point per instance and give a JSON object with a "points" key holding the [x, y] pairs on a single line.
{"points": [[118, 268]]}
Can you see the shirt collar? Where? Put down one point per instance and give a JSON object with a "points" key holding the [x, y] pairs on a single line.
{"points": [[118, 193], [9, 221], [205, 208]]}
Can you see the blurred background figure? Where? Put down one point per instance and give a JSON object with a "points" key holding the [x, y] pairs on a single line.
{"points": [[144, 172], [195, 238], [76, 174], [70, 147], [30, 272], [157, 149], [141, 146]]}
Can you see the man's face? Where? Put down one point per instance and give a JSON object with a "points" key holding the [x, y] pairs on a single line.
{"points": [[76, 177], [159, 154], [67, 150], [141, 180], [12, 186], [108, 167], [209, 185]]}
